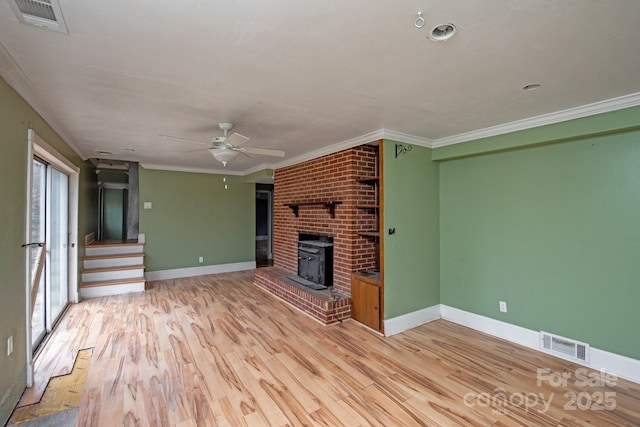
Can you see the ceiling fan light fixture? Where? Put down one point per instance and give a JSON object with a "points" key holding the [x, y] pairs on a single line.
{"points": [[223, 155]]}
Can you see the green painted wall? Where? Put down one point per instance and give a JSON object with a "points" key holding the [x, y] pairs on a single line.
{"points": [[16, 116], [552, 230], [192, 216], [411, 255], [87, 207]]}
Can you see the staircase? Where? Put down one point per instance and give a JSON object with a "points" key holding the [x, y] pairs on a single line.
{"points": [[111, 269]]}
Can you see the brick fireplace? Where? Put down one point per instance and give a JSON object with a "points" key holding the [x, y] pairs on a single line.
{"points": [[301, 196]]}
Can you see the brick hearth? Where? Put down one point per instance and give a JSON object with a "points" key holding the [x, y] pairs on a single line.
{"points": [[325, 306]]}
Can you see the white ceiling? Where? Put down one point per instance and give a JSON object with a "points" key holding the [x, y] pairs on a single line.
{"points": [[301, 76]]}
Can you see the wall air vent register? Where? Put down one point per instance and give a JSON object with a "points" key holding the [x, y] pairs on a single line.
{"points": [[564, 347]]}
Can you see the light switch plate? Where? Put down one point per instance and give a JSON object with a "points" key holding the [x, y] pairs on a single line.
{"points": [[148, 205]]}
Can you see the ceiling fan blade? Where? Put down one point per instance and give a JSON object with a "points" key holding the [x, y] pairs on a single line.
{"points": [[236, 140], [187, 140], [263, 151], [189, 151]]}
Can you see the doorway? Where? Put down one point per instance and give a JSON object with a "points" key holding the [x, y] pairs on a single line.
{"points": [[112, 211], [264, 225]]}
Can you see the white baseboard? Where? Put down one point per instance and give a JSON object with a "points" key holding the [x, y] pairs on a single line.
{"points": [[621, 366], [199, 271], [103, 291], [507, 331], [411, 320], [89, 238]]}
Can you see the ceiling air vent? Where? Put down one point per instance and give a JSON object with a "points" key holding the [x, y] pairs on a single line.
{"points": [[40, 13]]}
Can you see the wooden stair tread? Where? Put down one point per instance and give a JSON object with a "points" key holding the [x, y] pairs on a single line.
{"points": [[98, 257], [112, 245], [107, 269], [112, 282]]}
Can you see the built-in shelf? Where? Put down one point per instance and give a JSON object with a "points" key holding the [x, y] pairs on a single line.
{"points": [[369, 233], [330, 205], [371, 180]]}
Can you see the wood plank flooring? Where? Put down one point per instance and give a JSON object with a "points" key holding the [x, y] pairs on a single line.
{"points": [[216, 350]]}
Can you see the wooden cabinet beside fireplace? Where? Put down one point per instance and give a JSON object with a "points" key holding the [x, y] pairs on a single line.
{"points": [[365, 300]]}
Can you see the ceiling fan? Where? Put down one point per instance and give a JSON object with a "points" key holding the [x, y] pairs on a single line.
{"points": [[225, 148]]}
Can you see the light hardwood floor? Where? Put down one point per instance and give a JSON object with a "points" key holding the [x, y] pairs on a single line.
{"points": [[216, 350]]}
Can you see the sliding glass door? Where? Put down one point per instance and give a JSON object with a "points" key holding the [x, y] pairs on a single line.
{"points": [[57, 276], [50, 224], [38, 220]]}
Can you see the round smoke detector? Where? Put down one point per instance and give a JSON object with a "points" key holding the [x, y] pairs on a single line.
{"points": [[442, 32]]}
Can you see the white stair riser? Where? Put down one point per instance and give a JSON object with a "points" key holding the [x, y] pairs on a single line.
{"points": [[112, 275], [113, 262], [113, 250], [100, 291]]}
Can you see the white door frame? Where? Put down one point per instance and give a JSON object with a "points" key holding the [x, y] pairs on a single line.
{"points": [[36, 146]]}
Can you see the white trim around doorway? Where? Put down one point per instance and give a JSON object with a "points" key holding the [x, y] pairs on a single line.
{"points": [[36, 146]]}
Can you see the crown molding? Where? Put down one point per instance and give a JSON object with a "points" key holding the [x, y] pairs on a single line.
{"points": [[192, 170], [334, 148], [354, 142], [18, 80], [613, 104], [406, 138]]}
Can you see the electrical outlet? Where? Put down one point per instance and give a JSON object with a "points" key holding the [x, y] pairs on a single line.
{"points": [[201, 259], [503, 306], [10, 345]]}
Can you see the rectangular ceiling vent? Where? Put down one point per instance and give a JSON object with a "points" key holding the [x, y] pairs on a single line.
{"points": [[564, 347], [40, 13]]}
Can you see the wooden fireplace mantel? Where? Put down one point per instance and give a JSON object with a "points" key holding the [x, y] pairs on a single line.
{"points": [[330, 205]]}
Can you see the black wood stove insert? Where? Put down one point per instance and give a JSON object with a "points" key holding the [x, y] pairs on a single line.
{"points": [[315, 261]]}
